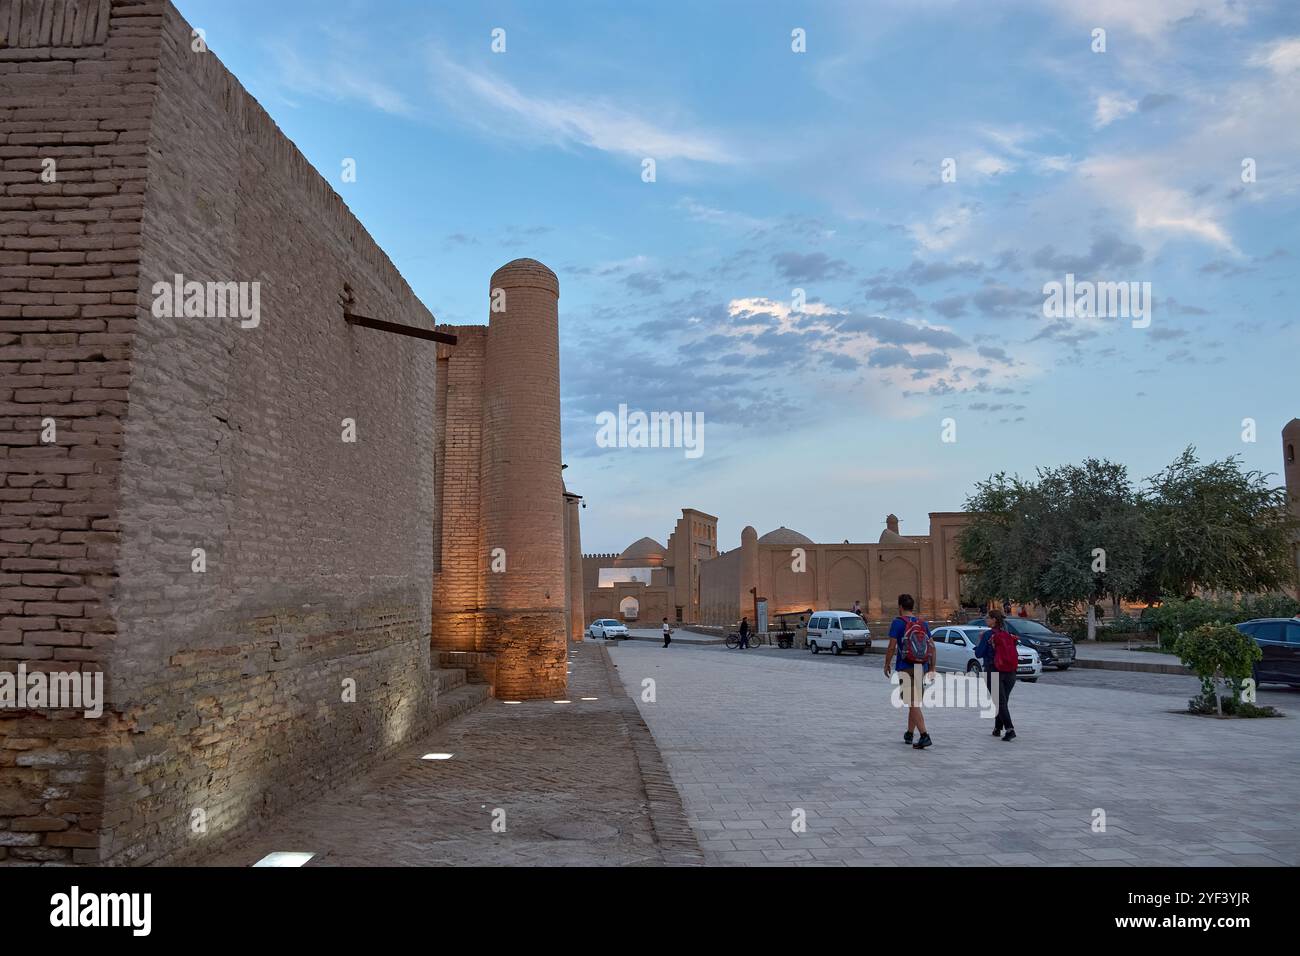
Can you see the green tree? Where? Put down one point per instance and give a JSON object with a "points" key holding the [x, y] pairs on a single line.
{"points": [[1215, 527], [1072, 537]]}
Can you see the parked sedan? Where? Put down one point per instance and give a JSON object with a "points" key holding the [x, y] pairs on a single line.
{"points": [[1055, 650], [1279, 640], [954, 650], [607, 628]]}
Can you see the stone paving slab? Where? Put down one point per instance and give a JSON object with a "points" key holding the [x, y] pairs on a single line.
{"points": [[751, 737], [588, 769]]}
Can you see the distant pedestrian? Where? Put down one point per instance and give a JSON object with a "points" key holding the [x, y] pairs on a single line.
{"points": [[1006, 608], [1023, 612], [744, 633], [857, 608], [1005, 660], [668, 633], [910, 644]]}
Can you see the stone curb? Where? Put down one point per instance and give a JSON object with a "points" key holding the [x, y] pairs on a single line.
{"points": [[1143, 666], [678, 844]]}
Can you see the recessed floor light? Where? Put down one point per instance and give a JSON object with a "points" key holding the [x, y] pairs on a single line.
{"points": [[564, 702], [284, 859], [511, 702], [437, 757], [591, 698]]}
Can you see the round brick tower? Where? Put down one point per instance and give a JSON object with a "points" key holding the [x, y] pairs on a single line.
{"points": [[523, 492]]}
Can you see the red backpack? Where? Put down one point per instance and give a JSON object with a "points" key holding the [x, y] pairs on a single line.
{"points": [[916, 641], [1005, 656]]}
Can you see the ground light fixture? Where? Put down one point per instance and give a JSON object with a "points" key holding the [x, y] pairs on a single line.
{"points": [[437, 756], [564, 702], [280, 858], [591, 698]]}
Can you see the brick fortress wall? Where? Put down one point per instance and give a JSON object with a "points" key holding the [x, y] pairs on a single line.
{"points": [[325, 562], [77, 82], [226, 687]]}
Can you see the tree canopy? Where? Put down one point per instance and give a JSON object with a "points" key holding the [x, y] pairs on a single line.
{"points": [[1078, 534]]}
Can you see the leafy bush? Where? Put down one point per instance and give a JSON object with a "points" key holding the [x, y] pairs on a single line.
{"points": [[1175, 616], [1231, 708], [1217, 653]]}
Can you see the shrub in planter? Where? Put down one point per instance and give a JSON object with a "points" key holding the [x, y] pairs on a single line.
{"points": [[1217, 653]]}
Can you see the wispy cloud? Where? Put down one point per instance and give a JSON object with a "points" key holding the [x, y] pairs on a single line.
{"points": [[1150, 19], [498, 106], [340, 77], [1112, 108]]}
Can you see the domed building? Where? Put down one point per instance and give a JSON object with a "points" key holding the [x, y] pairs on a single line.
{"points": [[784, 536], [786, 572], [647, 581], [691, 582], [644, 553]]}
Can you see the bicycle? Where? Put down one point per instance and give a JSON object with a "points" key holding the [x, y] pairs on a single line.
{"points": [[733, 640]]}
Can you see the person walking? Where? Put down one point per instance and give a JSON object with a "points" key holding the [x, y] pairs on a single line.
{"points": [[857, 608], [984, 651], [910, 644], [668, 633], [1005, 659], [744, 633]]}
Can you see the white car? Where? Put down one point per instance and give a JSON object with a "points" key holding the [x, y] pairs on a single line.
{"points": [[954, 650], [838, 631], [607, 628]]}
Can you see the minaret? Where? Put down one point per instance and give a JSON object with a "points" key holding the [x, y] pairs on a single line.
{"points": [[523, 492]]}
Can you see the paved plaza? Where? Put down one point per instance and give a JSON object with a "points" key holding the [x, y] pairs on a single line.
{"points": [[579, 783], [750, 737]]}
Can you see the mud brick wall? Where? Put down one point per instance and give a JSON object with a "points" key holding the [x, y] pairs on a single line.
{"points": [[230, 682], [458, 579], [225, 688], [76, 86]]}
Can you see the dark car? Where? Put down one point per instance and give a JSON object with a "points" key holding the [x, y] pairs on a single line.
{"points": [[1055, 650], [1279, 640]]}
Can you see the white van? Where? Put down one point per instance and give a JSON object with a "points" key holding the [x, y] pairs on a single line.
{"points": [[837, 631]]}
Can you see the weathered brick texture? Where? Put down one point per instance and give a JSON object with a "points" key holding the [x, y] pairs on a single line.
{"points": [[77, 88], [226, 688], [502, 492], [229, 688]]}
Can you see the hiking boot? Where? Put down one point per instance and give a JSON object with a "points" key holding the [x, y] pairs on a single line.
{"points": [[924, 742], [907, 737], [1011, 735]]}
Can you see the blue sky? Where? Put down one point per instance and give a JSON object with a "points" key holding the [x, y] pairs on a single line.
{"points": [[821, 171]]}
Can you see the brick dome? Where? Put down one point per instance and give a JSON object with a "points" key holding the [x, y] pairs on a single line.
{"points": [[784, 535], [646, 553]]}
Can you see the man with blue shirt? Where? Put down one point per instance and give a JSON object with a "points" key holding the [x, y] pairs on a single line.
{"points": [[910, 643]]}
